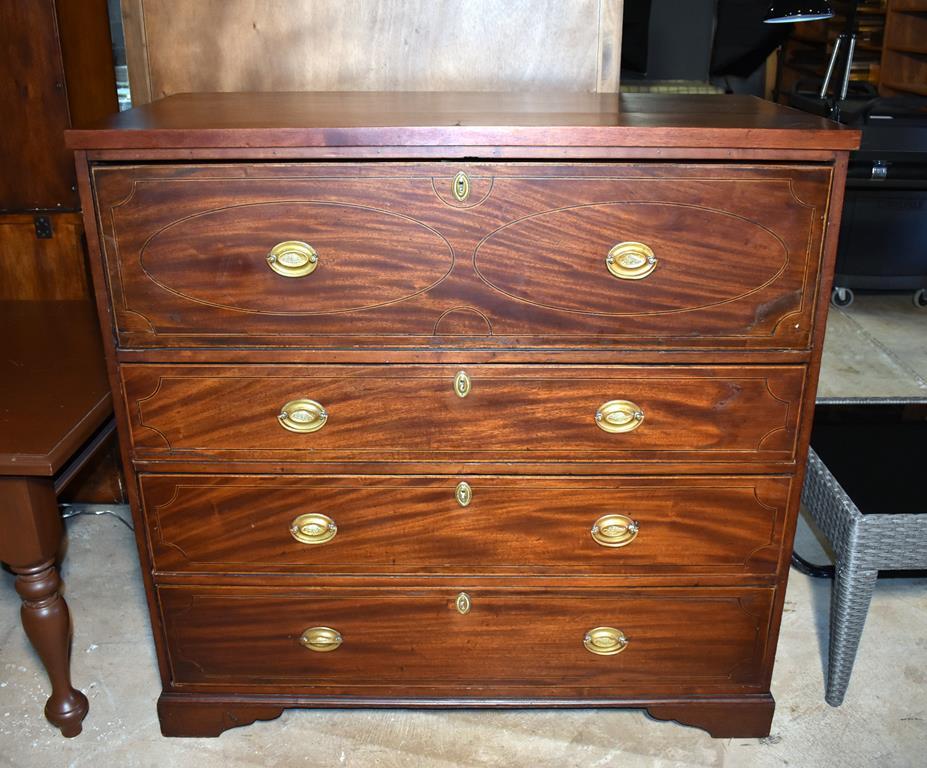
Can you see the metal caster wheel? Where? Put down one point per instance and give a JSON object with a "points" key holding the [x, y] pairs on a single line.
{"points": [[842, 297], [920, 298]]}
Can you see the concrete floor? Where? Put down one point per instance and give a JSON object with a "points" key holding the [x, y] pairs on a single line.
{"points": [[877, 347]]}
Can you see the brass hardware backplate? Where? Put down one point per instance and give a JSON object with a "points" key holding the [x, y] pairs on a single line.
{"points": [[463, 603], [631, 261], [614, 530], [463, 493], [461, 187], [619, 416], [313, 528], [302, 416], [605, 641], [462, 384], [321, 639], [293, 258]]}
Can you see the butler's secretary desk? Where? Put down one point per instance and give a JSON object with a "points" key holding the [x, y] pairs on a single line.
{"points": [[463, 400]]}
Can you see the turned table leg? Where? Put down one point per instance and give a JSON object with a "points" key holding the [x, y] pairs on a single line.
{"points": [[48, 626], [30, 535]]}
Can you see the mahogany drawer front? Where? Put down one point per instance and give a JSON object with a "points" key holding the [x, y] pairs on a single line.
{"points": [[684, 641], [520, 263], [473, 525], [404, 413]]}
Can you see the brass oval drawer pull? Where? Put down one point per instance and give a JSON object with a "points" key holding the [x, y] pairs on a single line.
{"points": [[462, 384], [605, 641], [614, 530], [321, 639], [302, 416], [313, 528], [464, 494], [293, 258], [619, 416], [631, 261], [461, 187]]}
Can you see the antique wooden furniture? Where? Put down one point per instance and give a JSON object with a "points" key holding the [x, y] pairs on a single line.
{"points": [[55, 412], [464, 399], [55, 56], [58, 73], [904, 52]]}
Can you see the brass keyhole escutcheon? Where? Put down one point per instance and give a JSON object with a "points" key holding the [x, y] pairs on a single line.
{"points": [[618, 416], [463, 493], [313, 528], [463, 603], [605, 641], [293, 258], [461, 187], [462, 384], [631, 261]]}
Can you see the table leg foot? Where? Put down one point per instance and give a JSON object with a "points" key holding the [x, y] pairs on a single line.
{"points": [[47, 624]]}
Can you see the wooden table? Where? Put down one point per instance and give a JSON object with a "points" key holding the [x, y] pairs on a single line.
{"points": [[55, 409]]}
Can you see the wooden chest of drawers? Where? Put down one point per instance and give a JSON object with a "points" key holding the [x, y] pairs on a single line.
{"points": [[463, 400]]}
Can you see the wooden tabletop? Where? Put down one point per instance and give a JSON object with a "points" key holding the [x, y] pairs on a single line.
{"points": [[245, 120], [54, 393]]}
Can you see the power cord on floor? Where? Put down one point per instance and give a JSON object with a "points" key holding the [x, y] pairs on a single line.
{"points": [[810, 569], [73, 510]]}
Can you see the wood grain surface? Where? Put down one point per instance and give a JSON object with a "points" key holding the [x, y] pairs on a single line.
{"points": [[512, 525], [36, 269], [512, 642], [747, 716], [57, 64], [241, 121], [34, 174], [521, 262], [720, 347], [371, 45], [513, 413], [53, 387]]}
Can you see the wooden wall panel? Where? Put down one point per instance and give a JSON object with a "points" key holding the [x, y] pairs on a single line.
{"points": [[334, 45], [37, 171], [57, 73], [33, 268], [87, 53]]}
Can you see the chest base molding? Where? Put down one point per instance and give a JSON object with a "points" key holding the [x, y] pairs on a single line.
{"points": [[204, 715]]}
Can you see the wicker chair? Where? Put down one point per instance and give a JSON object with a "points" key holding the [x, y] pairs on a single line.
{"points": [[863, 545]]}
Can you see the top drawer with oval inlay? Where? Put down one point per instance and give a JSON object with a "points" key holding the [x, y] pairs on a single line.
{"points": [[490, 255]]}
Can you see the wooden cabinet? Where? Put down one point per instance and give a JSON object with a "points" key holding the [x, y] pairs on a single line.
{"points": [[806, 51], [457, 413], [58, 74], [33, 268], [57, 67], [904, 53]]}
